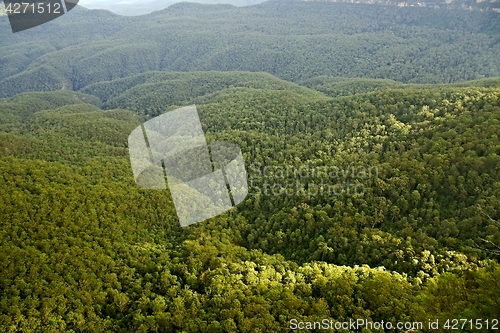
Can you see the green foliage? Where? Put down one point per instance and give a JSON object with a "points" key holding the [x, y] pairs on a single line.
{"points": [[82, 248], [333, 86], [295, 41], [16, 111], [151, 92]]}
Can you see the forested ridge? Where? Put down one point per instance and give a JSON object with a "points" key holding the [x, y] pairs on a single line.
{"points": [[293, 40], [82, 248], [462, 4]]}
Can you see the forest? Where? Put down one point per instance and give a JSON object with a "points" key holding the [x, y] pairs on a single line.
{"points": [[370, 136], [83, 249], [293, 40]]}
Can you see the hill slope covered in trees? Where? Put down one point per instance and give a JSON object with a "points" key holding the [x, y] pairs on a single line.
{"points": [[293, 40], [82, 248]]}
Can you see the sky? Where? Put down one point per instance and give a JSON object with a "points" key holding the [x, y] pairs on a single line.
{"points": [[128, 7], [101, 3]]}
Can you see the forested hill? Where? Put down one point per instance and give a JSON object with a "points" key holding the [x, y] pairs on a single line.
{"points": [[341, 86], [462, 4], [292, 40], [82, 248], [152, 93]]}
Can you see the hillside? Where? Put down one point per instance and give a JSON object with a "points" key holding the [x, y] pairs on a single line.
{"points": [[292, 40], [461, 4], [150, 93], [83, 248], [341, 86]]}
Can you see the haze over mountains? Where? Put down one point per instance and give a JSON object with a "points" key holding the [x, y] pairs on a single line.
{"points": [[135, 8], [132, 8]]}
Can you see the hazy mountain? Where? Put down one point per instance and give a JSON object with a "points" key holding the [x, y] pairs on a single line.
{"points": [[292, 40], [462, 4], [132, 8]]}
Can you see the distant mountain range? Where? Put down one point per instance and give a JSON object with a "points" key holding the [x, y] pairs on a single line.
{"points": [[293, 40], [463, 4], [133, 8]]}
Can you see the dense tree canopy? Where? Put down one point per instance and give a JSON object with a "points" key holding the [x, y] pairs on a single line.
{"points": [[82, 248], [294, 40]]}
